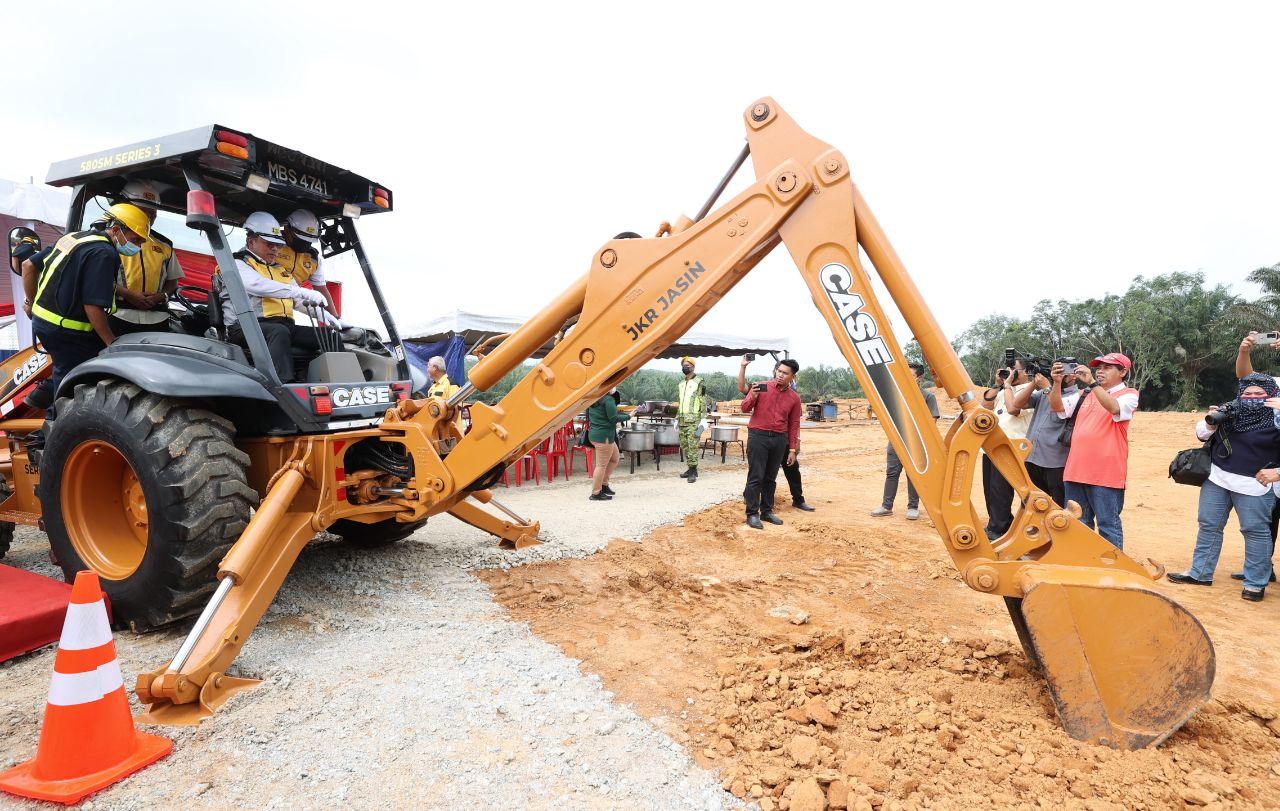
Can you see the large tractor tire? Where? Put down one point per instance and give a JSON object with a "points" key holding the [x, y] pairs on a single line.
{"points": [[370, 536], [147, 492]]}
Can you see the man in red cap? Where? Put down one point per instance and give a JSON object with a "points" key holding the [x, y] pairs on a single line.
{"points": [[1098, 461]]}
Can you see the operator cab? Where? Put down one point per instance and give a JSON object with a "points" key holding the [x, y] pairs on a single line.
{"points": [[208, 181]]}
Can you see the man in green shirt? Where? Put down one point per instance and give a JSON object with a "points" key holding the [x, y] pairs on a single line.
{"points": [[692, 397]]}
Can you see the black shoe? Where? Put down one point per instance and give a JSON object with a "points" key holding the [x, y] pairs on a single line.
{"points": [[607, 490], [693, 477], [601, 496], [1240, 576], [771, 518], [688, 471], [1252, 596], [804, 505], [1187, 580], [753, 521]]}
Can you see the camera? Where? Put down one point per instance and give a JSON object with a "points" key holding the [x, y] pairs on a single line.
{"points": [[749, 357], [1266, 338], [1031, 364], [1225, 413], [1069, 365]]}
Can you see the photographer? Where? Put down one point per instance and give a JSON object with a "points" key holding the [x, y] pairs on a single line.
{"points": [[1244, 367], [773, 437], [1048, 455], [1098, 461], [1014, 421], [1245, 450]]}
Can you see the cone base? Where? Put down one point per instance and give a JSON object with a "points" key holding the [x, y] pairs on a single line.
{"points": [[19, 780]]}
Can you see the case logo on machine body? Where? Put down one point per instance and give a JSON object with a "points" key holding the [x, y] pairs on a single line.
{"points": [[665, 301], [863, 330], [353, 396], [34, 364]]}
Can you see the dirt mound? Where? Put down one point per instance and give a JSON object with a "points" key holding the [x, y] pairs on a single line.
{"points": [[840, 661], [894, 714]]}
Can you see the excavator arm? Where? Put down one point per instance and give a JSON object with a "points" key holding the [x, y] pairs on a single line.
{"points": [[1125, 665]]}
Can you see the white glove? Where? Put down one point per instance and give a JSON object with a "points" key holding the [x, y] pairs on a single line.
{"points": [[332, 320], [307, 296]]}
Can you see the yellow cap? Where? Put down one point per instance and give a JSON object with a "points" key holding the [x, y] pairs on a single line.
{"points": [[131, 217], [688, 360]]}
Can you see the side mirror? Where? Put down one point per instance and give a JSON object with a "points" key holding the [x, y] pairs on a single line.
{"points": [[23, 242]]}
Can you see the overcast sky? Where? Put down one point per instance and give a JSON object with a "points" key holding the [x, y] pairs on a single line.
{"points": [[1012, 151]]}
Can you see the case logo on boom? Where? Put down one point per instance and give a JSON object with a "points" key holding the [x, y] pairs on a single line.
{"points": [[861, 327]]}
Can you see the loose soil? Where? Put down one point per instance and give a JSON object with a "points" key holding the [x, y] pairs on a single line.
{"points": [[839, 661]]}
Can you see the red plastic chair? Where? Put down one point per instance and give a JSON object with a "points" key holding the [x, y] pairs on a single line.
{"points": [[528, 465], [588, 453], [557, 455]]}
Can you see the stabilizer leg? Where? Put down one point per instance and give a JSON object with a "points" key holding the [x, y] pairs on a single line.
{"points": [[513, 535]]}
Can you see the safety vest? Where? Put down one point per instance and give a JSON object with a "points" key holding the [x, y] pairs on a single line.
{"points": [[46, 303], [144, 272], [271, 307], [302, 264], [692, 397]]}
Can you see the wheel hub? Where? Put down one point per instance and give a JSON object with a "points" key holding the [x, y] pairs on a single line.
{"points": [[104, 509]]}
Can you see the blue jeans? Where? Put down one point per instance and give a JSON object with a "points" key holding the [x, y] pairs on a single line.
{"points": [[1100, 505], [1254, 513]]}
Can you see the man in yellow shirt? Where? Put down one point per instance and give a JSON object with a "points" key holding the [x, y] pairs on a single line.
{"points": [[300, 254], [440, 386], [148, 277]]}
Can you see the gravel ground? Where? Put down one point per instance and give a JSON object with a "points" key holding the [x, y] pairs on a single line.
{"points": [[392, 677]]}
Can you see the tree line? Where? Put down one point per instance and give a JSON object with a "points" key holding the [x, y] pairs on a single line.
{"points": [[1181, 334]]}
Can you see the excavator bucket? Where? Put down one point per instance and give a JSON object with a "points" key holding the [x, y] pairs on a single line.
{"points": [[1125, 666]]}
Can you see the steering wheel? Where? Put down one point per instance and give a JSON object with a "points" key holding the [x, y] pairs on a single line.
{"points": [[191, 306]]}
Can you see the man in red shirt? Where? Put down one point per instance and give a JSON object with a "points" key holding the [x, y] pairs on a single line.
{"points": [[1098, 461], [773, 436]]}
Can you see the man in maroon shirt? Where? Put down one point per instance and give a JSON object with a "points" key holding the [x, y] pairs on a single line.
{"points": [[773, 436]]}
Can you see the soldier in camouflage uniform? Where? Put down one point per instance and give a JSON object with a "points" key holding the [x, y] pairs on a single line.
{"points": [[692, 397]]}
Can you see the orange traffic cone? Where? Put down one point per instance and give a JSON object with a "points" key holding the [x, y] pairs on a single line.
{"points": [[88, 740]]}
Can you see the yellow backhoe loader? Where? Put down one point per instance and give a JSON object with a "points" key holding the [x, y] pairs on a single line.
{"points": [[1126, 666]]}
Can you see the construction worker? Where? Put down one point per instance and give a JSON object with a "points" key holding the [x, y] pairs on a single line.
{"points": [[148, 277], [272, 293], [300, 254], [76, 291], [692, 399], [441, 386]]}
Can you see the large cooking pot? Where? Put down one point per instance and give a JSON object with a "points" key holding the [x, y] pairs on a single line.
{"points": [[666, 433], [724, 433], [636, 439]]}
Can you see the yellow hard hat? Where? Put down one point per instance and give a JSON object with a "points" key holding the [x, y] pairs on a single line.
{"points": [[131, 217], [688, 360]]}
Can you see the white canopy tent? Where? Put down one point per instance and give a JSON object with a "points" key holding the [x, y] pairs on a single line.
{"points": [[43, 209], [473, 327]]}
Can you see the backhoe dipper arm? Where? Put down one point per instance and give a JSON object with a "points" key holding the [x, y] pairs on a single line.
{"points": [[1065, 586]]}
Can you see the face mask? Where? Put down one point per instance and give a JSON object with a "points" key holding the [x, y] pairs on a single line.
{"points": [[300, 245], [1252, 398], [687, 369], [128, 249]]}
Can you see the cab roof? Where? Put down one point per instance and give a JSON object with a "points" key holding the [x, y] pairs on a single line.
{"points": [[244, 172]]}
